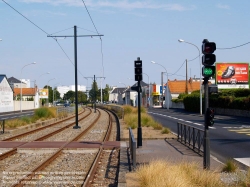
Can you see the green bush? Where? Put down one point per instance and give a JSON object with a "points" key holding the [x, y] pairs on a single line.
{"points": [[192, 102], [44, 113]]}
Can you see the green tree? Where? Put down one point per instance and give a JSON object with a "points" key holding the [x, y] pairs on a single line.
{"points": [[70, 95], [50, 93], [93, 93], [82, 97]]}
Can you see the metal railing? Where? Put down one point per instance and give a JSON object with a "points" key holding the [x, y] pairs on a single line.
{"points": [[2, 127], [132, 147], [65, 110], [115, 108], [191, 137]]}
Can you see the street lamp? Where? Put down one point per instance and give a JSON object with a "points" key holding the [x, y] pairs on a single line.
{"points": [[125, 92], [41, 75], [149, 99], [162, 82], [180, 40], [21, 85], [54, 92], [48, 89]]}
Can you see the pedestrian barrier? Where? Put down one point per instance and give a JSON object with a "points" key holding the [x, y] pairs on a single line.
{"points": [[2, 127], [132, 147], [191, 137], [65, 110]]}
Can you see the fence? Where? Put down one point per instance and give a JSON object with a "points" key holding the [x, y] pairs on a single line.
{"points": [[2, 127], [132, 147], [65, 110], [191, 137], [118, 110]]}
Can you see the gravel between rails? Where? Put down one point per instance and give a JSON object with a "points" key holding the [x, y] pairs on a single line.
{"points": [[16, 166], [97, 133], [69, 133], [69, 169]]}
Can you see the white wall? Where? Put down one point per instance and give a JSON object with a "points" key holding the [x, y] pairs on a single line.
{"points": [[26, 105], [6, 96]]}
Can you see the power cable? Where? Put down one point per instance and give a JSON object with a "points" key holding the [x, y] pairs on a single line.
{"points": [[234, 47], [96, 31]]}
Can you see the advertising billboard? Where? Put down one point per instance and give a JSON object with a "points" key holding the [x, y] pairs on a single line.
{"points": [[232, 75], [43, 93]]}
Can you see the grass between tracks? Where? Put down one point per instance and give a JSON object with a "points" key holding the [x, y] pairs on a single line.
{"points": [[131, 119], [40, 114]]}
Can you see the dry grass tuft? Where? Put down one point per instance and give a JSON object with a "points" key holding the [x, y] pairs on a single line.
{"points": [[163, 173]]}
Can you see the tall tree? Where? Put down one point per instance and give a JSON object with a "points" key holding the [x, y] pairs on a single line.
{"points": [[93, 93]]}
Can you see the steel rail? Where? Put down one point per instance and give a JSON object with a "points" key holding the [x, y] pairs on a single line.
{"points": [[51, 158], [14, 150], [90, 175], [38, 129]]}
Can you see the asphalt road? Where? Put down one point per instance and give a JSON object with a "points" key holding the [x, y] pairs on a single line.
{"points": [[16, 114], [229, 136]]}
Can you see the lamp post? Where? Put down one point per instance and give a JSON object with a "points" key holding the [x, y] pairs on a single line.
{"points": [[180, 40], [54, 91], [41, 75], [21, 93], [125, 92], [148, 99], [48, 89], [162, 82]]}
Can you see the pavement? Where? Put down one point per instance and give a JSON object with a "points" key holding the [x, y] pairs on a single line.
{"points": [[165, 149]]}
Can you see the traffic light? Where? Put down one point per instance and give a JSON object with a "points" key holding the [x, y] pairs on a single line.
{"points": [[210, 117], [138, 69], [208, 59]]}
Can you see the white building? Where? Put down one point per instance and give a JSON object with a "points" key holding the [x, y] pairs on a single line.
{"points": [[6, 95], [64, 89]]}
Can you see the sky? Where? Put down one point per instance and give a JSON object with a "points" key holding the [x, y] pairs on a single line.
{"points": [[148, 29]]}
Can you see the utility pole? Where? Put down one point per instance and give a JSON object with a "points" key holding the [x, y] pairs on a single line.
{"points": [[186, 79], [76, 84], [94, 88]]}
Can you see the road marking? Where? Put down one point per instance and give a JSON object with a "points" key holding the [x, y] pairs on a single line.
{"points": [[181, 119], [245, 161]]}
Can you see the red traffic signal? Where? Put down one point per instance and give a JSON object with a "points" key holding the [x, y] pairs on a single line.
{"points": [[208, 47], [208, 59], [210, 117]]}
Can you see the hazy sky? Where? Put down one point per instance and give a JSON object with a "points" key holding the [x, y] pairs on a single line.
{"points": [[148, 29]]}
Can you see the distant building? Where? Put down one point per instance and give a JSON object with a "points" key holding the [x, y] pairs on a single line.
{"points": [[16, 83], [64, 89], [6, 95]]}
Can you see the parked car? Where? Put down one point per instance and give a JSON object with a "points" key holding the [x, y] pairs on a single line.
{"points": [[66, 104]]}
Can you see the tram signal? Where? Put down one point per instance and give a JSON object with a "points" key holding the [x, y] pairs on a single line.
{"points": [[138, 69], [208, 59]]}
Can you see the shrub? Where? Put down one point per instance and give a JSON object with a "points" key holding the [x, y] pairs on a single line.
{"points": [[165, 130], [230, 166]]}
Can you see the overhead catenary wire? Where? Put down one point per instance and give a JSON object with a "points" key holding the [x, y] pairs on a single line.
{"points": [[96, 31], [55, 39]]}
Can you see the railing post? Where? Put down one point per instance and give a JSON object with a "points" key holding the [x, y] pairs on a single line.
{"points": [[193, 138]]}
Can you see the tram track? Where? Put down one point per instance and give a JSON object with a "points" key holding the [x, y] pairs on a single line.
{"points": [[81, 157]]}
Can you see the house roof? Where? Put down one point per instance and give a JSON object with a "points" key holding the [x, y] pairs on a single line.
{"points": [[13, 80], [179, 86], [25, 91], [2, 77], [118, 90]]}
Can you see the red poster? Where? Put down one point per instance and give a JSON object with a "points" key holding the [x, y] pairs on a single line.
{"points": [[232, 74]]}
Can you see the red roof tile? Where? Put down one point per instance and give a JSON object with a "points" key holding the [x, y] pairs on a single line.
{"points": [[25, 91], [179, 86]]}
